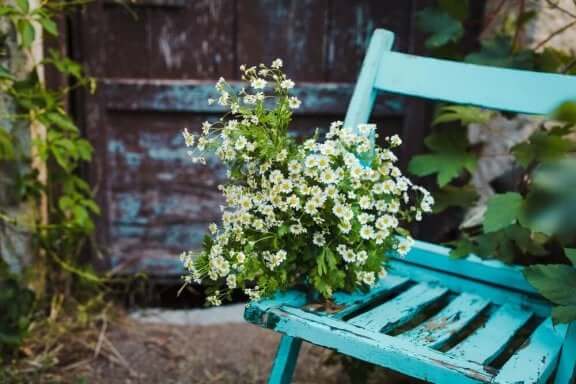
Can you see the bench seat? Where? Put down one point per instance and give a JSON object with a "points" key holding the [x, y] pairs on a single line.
{"points": [[426, 322]]}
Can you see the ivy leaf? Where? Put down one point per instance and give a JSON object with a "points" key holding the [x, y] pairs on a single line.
{"points": [[502, 211], [556, 282], [571, 255], [449, 159], [27, 32], [442, 27], [498, 52], [464, 114], [541, 147]]}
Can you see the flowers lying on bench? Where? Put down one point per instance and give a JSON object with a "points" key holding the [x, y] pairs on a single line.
{"points": [[325, 214]]}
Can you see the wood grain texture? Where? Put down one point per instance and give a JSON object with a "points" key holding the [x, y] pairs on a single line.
{"points": [[127, 31], [493, 271], [387, 351], [400, 309], [440, 328], [354, 301], [192, 95], [352, 23], [291, 29], [488, 341], [536, 360], [197, 41], [456, 283]]}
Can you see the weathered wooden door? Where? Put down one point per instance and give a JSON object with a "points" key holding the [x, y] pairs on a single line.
{"points": [[157, 61]]}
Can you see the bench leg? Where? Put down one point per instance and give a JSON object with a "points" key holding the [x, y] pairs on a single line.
{"points": [[285, 361]]}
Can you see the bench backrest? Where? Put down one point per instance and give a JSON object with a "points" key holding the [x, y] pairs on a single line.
{"points": [[497, 88], [489, 87]]}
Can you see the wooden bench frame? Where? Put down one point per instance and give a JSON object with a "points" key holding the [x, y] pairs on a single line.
{"points": [[550, 350]]}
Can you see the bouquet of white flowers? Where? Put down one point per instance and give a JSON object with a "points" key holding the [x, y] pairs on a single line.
{"points": [[324, 214]]}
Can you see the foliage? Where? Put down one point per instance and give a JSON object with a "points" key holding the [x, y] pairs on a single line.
{"points": [[533, 215], [321, 214], [68, 198], [557, 282], [17, 303], [449, 158]]}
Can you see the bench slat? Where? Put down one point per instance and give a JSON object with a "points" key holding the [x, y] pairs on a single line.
{"points": [[358, 299], [470, 84], [490, 271], [388, 351], [495, 294], [488, 341], [535, 361], [400, 309], [439, 329]]}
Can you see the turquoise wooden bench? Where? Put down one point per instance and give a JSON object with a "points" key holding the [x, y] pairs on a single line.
{"points": [[434, 318]]}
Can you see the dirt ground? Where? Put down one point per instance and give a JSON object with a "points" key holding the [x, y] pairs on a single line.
{"points": [[167, 354]]}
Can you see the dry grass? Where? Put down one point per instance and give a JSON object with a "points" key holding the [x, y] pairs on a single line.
{"points": [[105, 346]]}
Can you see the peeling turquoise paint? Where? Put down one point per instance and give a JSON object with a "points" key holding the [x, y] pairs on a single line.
{"points": [[129, 207]]}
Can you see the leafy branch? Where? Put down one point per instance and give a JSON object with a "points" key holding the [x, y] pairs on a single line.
{"points": [[531, 215]]}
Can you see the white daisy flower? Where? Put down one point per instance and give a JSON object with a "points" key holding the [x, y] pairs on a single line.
{"points": [[258, 83], [287, 84]]}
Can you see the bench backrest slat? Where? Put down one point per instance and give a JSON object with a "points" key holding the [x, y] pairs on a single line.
{"points": [[483, 86]]}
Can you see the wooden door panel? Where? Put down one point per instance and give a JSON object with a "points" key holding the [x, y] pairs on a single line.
{"points": [[157, 64], [294, 30]]}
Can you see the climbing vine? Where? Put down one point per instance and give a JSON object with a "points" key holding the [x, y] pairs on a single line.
{"points": [[55, 184], [528, 215]]}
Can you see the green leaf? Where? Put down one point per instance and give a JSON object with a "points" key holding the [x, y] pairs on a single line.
{"points": [[283, 230], [23, 5], [556, 282], [455, 8], [462, 248], [451, 196], [564, 314], [5, 73], [542, 146], [447, 166], [464, 114], [61, 120], [555, 60], [442, 27], [498, 52], [571, 255], [566, 112], [49, 25], [7, 10], [27, 32], [449, 159], [7, 146], [502, 210]]}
